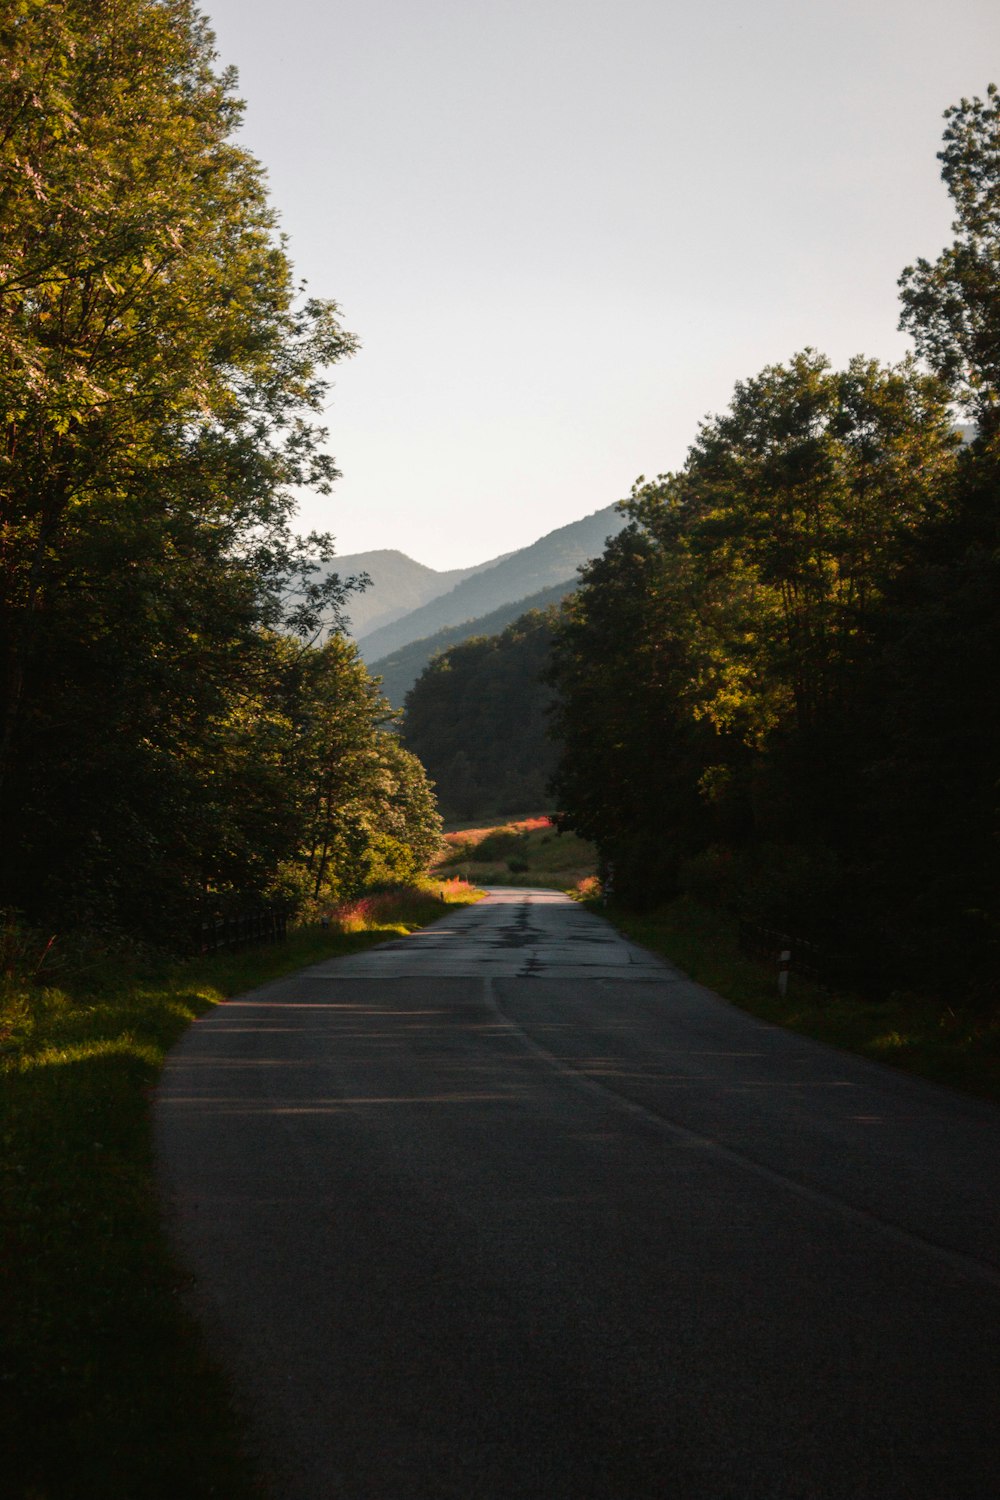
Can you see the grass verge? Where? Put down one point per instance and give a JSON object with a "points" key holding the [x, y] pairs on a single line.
{"points": [[106, 1387], [919, 1035]]}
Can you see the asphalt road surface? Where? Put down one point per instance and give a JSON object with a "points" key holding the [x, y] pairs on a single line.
{"points": [[511, 1210]]}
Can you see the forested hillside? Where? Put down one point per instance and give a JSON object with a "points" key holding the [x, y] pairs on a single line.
{"points": [[548, 561], [400, 671], [778, 687], [173, 739], [477, 719]]}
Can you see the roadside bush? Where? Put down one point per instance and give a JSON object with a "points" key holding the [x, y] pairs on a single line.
{"points": [[500, 844]]}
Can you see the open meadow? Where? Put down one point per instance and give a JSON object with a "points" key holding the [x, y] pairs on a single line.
{"points": [[527, 851]]}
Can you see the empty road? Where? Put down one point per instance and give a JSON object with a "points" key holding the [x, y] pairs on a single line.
{"points": [[511, 1210]]}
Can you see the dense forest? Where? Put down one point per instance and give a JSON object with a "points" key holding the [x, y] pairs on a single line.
{"points": [[477, 718], [179, 733], [778, 688]]}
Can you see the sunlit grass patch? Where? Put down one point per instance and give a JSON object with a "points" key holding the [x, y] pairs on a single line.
{"points": [[471, 836], [401, 911], [456, 890]]}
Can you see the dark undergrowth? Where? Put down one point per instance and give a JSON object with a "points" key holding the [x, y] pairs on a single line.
{"points": [[106, 1386]]}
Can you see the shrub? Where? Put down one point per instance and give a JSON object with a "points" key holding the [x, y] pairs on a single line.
{"points": [[499, 844]]}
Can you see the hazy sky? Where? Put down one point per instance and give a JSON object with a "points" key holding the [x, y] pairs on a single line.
{"points": [[563, 229]]}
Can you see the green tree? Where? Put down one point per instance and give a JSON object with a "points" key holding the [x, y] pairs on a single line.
{"points": [[366, 813], [800, 501], [952, 307], [161, 374], [790, 657], [717, 674], [632, 750], [154, 352], [937, 780]]}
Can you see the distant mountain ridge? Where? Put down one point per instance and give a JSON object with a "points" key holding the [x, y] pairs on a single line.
{"points": [[398, 585], [400, 670], [551, 560]]}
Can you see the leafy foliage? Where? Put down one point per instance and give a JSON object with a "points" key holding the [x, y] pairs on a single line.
{"points": [[952, 308], [777, 690], [161, 374], [627, 777]]}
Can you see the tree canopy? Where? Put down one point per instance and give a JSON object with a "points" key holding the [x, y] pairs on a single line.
{"points": [[778, 687], [952, 307], [162, 378]]}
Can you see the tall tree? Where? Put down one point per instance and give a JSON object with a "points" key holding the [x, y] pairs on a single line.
{"points": [[161, 375], [366, 811], [799, 501], [940, 796], [155, 355], [822, 578], [952, 307], [717, 673], [631, 751]]}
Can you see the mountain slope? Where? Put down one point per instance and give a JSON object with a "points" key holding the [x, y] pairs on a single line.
{"points": [[398, 585], [400, 670], [550, 560]]}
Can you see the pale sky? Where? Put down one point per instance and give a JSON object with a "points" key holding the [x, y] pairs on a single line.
{"points": [[563, 229]]}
